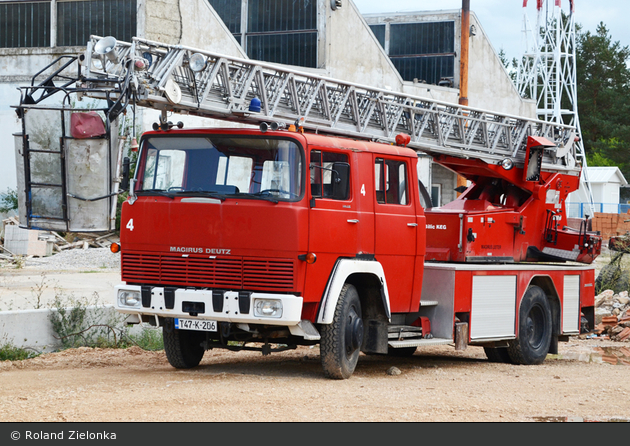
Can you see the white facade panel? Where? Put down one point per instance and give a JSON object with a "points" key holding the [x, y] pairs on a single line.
{"points": [[571, 305], [493, 307]]}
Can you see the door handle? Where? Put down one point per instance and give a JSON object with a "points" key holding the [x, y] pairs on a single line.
{"points": [[412, 224], [353, 221]]}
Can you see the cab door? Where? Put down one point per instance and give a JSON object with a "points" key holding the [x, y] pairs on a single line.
{"points": [[396, 228], [335, 226]]}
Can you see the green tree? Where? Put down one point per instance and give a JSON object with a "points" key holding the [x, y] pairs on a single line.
{"points": [[603, 79], [511, 67], [9, 201]]}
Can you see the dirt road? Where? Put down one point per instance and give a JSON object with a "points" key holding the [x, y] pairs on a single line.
{"points": [[437, 384]]}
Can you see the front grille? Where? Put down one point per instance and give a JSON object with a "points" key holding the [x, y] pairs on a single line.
{"points": [[233, 273]]}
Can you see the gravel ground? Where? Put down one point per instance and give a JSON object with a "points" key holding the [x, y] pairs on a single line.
{"points": [[76, 259], [76, 273]]}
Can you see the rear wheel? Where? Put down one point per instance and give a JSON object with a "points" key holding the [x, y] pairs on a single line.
{"points": [[183, 347], [534, 329], [341, 341]]}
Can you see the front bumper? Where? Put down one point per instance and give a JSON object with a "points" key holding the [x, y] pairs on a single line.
{"points": [[223, 306]]}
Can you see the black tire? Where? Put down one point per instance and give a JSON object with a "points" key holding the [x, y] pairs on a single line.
{"points": [[341, 341], [183, 347], [534, 329], [401, 352], [498, 354]]}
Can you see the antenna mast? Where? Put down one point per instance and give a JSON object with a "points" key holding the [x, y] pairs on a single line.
{"points": [[547, 74]]}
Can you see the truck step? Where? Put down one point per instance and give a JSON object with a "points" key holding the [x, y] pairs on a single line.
{"points": [[428, 303], [403, 331], [420, 342], [398, 328]]}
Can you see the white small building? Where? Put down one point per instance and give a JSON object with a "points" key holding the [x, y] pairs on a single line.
{"points": [[605, 185]]}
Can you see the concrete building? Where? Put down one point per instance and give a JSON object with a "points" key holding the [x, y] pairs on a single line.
{"points": [[327, 38]]}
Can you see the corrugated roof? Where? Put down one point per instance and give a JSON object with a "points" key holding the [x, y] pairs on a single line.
{"points": [[606, 174]]}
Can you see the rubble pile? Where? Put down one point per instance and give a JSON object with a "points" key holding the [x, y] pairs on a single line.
{"points": [[612, 316], [18, 244]]}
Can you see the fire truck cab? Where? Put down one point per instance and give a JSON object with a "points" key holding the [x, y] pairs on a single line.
{"points": [[250, 239]]}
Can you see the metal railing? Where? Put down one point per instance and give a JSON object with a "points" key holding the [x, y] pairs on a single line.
{"points": [[580, 210]]}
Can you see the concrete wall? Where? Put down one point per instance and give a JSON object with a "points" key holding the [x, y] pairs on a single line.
{"points": [[353, 53], [448, 180], [32, 328], [191, 23], [489, 84], [9, 124]]}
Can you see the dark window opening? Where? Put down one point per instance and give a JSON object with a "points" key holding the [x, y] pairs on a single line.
{"points": [[436, 194], [77, 20], [379, 33], [421, 51], [421, 38], [230, 13], [25, 24], [280, 31]]}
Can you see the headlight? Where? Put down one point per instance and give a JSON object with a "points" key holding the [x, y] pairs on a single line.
{"points": [[268, 308], [129, 299], [197, 62]]}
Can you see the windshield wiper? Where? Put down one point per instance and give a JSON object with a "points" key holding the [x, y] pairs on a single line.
{"points": [[260, 196], [188, 193], [161, 192]]}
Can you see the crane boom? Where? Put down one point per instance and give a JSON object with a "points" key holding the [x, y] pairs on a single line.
{"points": [[191, 81]]}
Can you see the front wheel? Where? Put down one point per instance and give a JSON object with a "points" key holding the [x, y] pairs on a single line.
{"points": [[182, 347], [534, 329], [341, 341]]}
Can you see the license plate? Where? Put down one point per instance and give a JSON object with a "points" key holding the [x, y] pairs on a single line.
{"points": [[195, 324]]}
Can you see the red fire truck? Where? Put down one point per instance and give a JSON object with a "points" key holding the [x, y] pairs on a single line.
{"points": [[312, 227]]}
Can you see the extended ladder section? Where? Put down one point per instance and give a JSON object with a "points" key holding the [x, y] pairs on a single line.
{"points": [[187, 80]]}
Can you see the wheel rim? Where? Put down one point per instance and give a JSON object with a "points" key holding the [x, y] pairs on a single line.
{"points": [[353, 333], [535, 327]]}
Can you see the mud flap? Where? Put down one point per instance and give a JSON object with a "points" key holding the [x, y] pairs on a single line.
{"points": [[553, 346], [375, 337]]}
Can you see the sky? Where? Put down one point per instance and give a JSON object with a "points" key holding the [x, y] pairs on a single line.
{"points": [[502, 20]]}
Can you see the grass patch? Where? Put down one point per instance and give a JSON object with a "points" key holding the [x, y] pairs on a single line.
{"points": [[9, 352], [148, 339], [87, 323]]}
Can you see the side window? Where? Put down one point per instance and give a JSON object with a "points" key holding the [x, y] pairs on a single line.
{"points": [[330, 175], [390, 181]]}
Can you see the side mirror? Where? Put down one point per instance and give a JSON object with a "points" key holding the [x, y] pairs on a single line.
{"points": [[341, 181], [425, 198], [124, 183]]}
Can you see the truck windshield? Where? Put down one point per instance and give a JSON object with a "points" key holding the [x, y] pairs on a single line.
{"points": [[257, 168]]}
